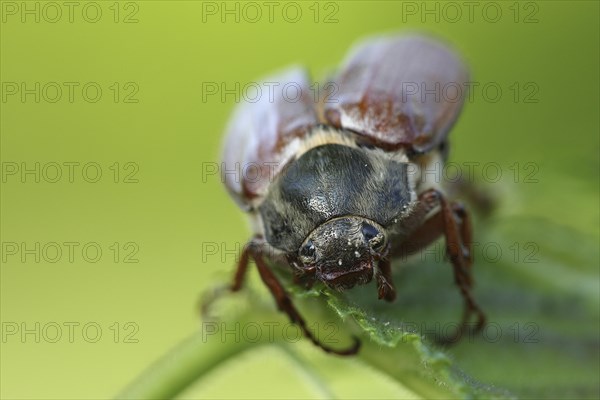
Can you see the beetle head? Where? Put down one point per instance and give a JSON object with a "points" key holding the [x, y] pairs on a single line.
{"points": [[342, 252]]}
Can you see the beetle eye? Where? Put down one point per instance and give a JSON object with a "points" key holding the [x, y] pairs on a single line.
{"points": [[372, 235], [369, 231], [308, 251]]}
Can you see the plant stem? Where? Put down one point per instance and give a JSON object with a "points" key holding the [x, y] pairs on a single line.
{"points": [[181, 366]]}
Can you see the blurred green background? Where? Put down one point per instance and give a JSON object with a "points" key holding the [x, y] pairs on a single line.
{"points": [[151, 59]]}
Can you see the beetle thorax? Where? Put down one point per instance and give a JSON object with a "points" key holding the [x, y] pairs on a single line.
{"points": [[330, 181]]}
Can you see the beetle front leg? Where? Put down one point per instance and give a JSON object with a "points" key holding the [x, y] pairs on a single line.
{"points": [[457, 231], [238, 280], [242, 268], [285, 303], [452, 221], [466, 235]]}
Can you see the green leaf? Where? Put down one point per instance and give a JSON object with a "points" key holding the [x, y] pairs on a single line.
{"points": [[537, 280]]}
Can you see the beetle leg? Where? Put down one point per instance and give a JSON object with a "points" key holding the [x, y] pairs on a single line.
{"points": [[385, 284], [208, 299], [285, 304], [241, 270], [425, 233], [466, 235], [457, 231], [452, 221]]}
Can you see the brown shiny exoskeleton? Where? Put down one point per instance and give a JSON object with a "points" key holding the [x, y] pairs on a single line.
{"points": [[336, 188]]}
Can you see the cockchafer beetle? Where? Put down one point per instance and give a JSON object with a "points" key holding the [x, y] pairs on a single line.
{"points": [[340, 190]]}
